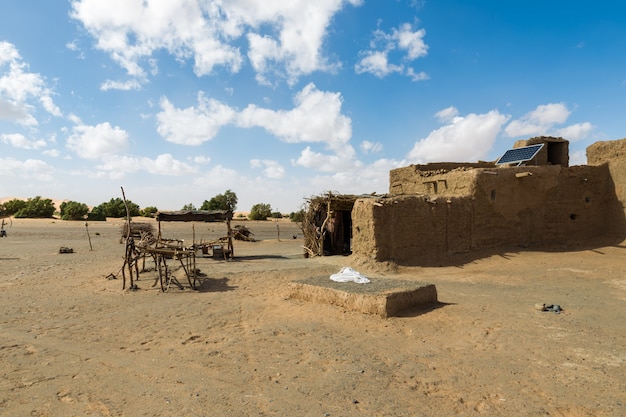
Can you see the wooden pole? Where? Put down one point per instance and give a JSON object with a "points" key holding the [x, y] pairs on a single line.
{"points": [[89, 237], [128, 255]]}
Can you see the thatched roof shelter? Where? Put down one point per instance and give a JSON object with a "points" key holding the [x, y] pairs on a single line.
{"points": [[194, 216], [199, 216], [327, 223]]}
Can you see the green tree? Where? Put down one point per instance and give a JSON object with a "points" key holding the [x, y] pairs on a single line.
{"points": [[13, 206], [189, 206], [73, 210], [97, 214], [37, 208], [149, 211], [260, 211], [226, 201], [115, 208], [297, 216]]}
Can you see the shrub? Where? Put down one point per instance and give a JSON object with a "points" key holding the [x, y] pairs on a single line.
{"points": [[260, 211], [226, 201], [72, 210], [11, 207], [149, 211], [115, 208], [297, 216], [37, 208]]}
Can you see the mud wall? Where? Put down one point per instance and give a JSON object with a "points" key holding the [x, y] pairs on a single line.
{"points": [[441, 181], [554, 152], [612, 154], [506, 207]]}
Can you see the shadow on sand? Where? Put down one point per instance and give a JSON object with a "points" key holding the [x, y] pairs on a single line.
{"points": [[206, 284], [421, 309]]}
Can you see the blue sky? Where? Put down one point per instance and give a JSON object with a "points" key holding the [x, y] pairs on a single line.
{"points": [[180, 100]]}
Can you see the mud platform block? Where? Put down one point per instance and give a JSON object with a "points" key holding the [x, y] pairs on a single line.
{"points": [[382, 296]]}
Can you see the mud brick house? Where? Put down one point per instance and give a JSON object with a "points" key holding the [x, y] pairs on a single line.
{"points": [[532, 200]]}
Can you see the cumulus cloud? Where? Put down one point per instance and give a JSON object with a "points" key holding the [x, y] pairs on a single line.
{"points": [[407, 42], [368, 147], [363, 180], [343, 160], [575, 132], [578, 158], [96, 142], [120, 85], [164, 164], [279, 39], [315, 118], [22, 92], [18, 140], [271, 169], [193, 125], [463, 138], [544, 121], [31, 168]]}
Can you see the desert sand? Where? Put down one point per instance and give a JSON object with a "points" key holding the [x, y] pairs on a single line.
{"points": [[73, 343]]}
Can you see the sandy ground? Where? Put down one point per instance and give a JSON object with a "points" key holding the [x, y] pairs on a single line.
{"points": [[73, 343]]}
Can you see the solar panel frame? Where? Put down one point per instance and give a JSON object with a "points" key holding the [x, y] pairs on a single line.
{"points": [[519, 155]]}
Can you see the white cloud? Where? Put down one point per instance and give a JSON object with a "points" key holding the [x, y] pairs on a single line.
{"points": [[543, 121], [21, 91], [575, 132], [376, 60], [465, 138], [271, 169], [201, 159], [164, 164], [193, 125], [54, 153], [538, 121], [219, 178], [30, 169], [412, 42], [578, 158], [377, 63], [315, 118], [120, 85], [447, 114], [416, 76], [210, 33], [341, 161], [96, 142], [368, 147], [363, 180], [18, 140]]}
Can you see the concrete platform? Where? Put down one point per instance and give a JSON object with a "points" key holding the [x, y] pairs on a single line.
{"points": [[382, 296]]}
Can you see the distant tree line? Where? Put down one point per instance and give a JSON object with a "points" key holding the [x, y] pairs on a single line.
{"points": [[38, 207]]}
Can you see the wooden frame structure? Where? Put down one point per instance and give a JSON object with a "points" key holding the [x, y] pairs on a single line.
{"points": [[164, 250]]}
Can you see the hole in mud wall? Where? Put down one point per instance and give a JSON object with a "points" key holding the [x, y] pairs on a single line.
{"points": [[572, 216], [493, 195], [587, 199]]}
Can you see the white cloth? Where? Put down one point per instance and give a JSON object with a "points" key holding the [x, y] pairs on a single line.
{"points": [[348, 274]]}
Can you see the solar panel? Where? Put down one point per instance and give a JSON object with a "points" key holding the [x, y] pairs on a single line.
{"points": [[519, 155]]}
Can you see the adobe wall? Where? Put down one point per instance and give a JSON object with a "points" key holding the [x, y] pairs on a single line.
{"points": [[555, 150], [613, 155], [504, 207], [444, 179]]}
